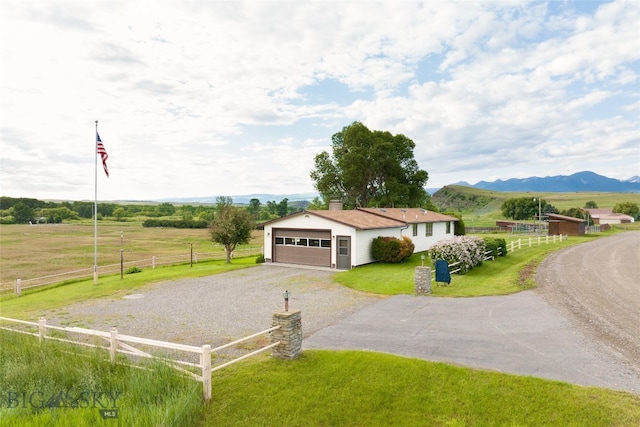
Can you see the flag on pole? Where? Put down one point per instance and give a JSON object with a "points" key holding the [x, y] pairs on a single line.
{"points": [[103, 153]]}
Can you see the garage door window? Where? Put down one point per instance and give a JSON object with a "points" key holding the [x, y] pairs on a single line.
{"points": [[303, 241]]}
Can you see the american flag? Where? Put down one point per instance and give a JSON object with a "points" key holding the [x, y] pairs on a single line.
{"points": [[103, 153]]}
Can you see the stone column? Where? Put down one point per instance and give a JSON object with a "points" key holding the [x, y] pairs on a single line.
{"points": [[422, 281], [289, 334]]}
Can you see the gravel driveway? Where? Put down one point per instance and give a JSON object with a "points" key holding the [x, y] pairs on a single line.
{"points": [[581, 324]]}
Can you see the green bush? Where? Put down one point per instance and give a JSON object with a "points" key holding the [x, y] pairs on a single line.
{"points": [[391, 249], [260, 259], [132, 270], [498, 247]]}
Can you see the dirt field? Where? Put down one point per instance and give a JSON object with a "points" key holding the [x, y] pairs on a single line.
{"points": [[597, 286]]}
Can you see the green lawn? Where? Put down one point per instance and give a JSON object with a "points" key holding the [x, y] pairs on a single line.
{"points": [[512, 273]]}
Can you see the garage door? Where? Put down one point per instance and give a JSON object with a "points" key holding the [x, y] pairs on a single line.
{"points": [[300, 246]]}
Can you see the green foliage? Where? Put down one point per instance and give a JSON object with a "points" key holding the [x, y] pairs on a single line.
{"points": [[231, 227], [133, 270], [591, 205], [370, 168], [578, 213], [459, 228], [522, 208], [260, 259], [175, 223], [391, 249], [627, 208], [63, 375], [498, 247]]}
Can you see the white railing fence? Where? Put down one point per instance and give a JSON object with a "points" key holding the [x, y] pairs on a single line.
{"points": [[118, 343]]}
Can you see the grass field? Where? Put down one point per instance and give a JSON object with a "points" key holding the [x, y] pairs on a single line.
{"points": [[29, 251], [321, 388]]}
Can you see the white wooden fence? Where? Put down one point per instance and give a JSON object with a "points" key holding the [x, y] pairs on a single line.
{"points": [[118, 343]]}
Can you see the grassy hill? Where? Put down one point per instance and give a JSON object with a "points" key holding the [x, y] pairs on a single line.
{"points": [[482, 207]]}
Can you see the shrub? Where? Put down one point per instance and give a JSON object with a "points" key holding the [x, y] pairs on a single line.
{"points": [[468, 250], [260, 259], [132, 270], [498, 247], [391, 249]]}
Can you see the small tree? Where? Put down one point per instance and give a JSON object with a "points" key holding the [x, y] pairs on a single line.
{"points": [[627, 208], [591, 205], [231, 227]]}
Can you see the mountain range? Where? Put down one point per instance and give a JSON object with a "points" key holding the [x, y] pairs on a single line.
{"points": [[578, 182]]}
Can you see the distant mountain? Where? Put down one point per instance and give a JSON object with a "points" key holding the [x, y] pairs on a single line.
{"points": [[578, 182], [245, 198]]}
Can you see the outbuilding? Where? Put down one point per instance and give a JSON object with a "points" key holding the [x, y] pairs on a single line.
{"points": [[561, 224], [341, 239]]}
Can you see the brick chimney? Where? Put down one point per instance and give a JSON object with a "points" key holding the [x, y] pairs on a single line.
{"points": [[335, 205]]}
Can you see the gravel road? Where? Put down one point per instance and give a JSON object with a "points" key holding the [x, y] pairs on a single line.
{"points": [[594, 339], [597, 286]]}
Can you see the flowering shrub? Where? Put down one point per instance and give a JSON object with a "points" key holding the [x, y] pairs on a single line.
{"points": [[391, 249], [469, 250]]}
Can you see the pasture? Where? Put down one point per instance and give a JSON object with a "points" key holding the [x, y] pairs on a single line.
{"points": [[29, 251]]}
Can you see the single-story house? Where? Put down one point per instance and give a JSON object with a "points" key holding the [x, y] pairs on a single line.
{"points": [[606, 216], [341, 239], [561, 224]]}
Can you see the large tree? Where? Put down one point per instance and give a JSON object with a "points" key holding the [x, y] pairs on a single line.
{"points": [[370, 168], [231, 226]]}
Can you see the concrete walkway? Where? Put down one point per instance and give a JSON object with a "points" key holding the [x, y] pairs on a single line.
{"points": [[519, 334]]}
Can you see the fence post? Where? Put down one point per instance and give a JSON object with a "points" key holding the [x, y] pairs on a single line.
{"points": [[530, 239], [113, 344], [153, 262], [289, 334], [205, 361], [19, 287], [520, 243], [42, 328], [422, 281]]}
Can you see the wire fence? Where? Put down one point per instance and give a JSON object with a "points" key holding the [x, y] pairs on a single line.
{"points": [[193, 258]]}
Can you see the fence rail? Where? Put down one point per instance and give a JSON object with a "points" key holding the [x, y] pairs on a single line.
{"points": [[118, 343], [21, 284]]}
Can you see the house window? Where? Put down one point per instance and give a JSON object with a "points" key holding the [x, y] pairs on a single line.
{"points": [[279, 240], [289, 241], [428, 229], [448, 227], [314, 242], [301, 242], [415, 230], [325, 243]]}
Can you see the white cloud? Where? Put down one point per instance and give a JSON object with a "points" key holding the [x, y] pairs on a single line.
{"points": [[214, 98]]}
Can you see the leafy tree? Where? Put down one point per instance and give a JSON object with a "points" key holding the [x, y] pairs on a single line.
{"points": [[578, 213], [521, 208], [254, 207], [591, 205], [22, 213], [118, 213], [627, 208], [231, 227], [368, 168], [283, 207], [317, 204], [166, 209], [272, 207]]}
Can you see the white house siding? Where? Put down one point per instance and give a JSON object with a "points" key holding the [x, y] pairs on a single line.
{"points": [[422, 242], [361, 253]]}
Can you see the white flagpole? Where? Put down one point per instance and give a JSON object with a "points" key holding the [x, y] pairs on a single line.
{"points": [[95, 212]]}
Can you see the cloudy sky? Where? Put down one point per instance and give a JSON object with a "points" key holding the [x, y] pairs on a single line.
{"points": [[204, 98]]}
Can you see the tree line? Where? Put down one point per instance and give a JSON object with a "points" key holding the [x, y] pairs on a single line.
{"points": [[524, 208], [28, 210]]}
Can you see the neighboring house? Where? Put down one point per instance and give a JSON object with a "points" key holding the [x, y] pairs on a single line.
{"points": [[342, 239], [606, 216], [560, 224]]}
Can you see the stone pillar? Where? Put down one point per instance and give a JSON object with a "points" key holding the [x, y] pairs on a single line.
{"points": [[422, 281], [289, 334]]}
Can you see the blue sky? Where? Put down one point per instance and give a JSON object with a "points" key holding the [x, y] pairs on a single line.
{"points": [[202, 98]]}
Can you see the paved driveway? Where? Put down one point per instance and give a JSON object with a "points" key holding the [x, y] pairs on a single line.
{"points": [[518, 334]]}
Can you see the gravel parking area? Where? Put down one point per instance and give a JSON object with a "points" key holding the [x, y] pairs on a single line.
{"points": [[221, 308]]}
